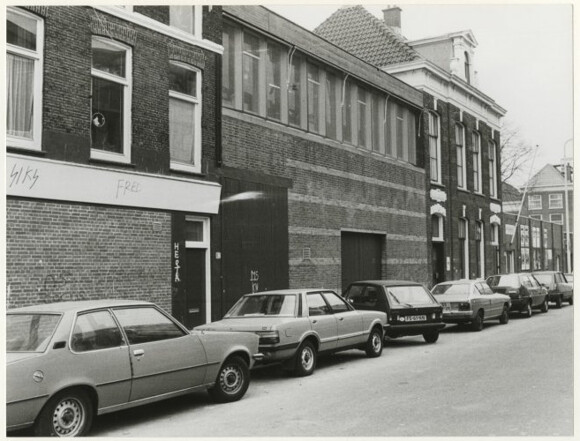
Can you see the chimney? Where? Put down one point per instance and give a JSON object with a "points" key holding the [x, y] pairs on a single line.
{"points": [[392, 18]]}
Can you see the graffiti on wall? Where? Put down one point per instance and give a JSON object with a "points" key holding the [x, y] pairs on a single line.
{"points": [[255, 280], [23, 176]]}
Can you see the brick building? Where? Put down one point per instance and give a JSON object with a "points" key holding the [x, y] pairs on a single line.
{"points": [[323, 171], [460, 137], [112, 125]]}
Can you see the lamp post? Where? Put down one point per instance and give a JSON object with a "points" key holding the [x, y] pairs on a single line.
{"points": [[566, 160]]}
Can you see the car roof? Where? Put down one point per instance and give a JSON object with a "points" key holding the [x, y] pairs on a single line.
{"points": [[387, 282], [462, 282], [546, 272], [75, 306], [288, 291]]}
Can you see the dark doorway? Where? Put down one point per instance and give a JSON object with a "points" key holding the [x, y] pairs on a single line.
{"points": [[195, 289], [361, 255], [438, 262]]}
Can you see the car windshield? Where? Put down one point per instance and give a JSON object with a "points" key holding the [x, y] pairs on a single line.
{"points": [[408, 295], [546, 279], [281, 305], [569, 278], [29, 332], [510, 280], [460, 288]]}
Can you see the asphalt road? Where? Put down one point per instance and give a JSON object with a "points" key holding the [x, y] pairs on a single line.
{"points": [[507, 380]]}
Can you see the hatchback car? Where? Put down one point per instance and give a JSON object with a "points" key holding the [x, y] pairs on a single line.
{"points": [[559, 289], [524, 290], [471, 301], [67, 362], [410, 308], [296, 325]]}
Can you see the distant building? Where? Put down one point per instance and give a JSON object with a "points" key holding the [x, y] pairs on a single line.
{"points": [[460, 134]]}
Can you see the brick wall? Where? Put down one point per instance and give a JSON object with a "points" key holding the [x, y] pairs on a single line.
{"points": [[62, 251]]}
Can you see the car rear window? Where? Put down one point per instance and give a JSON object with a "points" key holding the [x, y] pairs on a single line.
{"points": [[282, 305], [507, 280], [30, 332], [459, 288], [408, 295]]}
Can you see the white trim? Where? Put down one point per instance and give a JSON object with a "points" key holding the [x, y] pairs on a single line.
{"points": [[164, 29], [38, 56], [440, 219], [205, 244]]}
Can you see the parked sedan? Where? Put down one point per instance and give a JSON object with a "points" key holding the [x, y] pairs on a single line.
{"points": [[410, 308], [298, 324], [70, 361], [524, 290], [559, 289], [471, 301]]}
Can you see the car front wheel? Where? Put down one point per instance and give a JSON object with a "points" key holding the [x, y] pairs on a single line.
{"points": [[374, 346], [528, 311], [544, 306], [232, 381], [431, 337], [69, 413], [477, 323], [305, 360], [559, 302], [504, 318]]}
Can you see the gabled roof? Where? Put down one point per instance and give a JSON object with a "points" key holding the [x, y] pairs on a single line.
{"points": [[358, 31], [548, 176]]}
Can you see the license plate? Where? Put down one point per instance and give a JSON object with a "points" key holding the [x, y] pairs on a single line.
{"points": [[415, 318]]}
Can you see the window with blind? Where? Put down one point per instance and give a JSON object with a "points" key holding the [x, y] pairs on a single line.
{"points": [[460, 149], [434, 150], [476, 151]]}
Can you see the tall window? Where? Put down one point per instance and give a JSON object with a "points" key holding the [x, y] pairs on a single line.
{"points": [[330, 106], [476, 145], [294, 92], [467, 68], [434, 151], [492, 169], [250, 77], [460, 148], [377, 123], [437, 227], [111, 100], [480, 248], [184, 117], [229, 65], [347, 112], [24, 42], [463, 235], [186, 18], [313, 97], [556, 201], [535, 202], [362, 117], [494, 230], [273, 81]]}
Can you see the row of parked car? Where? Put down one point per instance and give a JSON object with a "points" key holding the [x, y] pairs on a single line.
{"points": [[68, 362]]}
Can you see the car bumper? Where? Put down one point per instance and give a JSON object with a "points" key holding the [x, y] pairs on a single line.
{"points": [[412, 329], [274, 353], [519, 304], [457, 316]]}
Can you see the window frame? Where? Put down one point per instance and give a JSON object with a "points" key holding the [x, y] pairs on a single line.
{"points": [[440, 230], [196, 101], [35, 143], [494, 234], [536, 198], [434, 136], [127, 83], [559, 198], [476, 166], [461, 169], [552, 215], [197, 22], [492, 158]]}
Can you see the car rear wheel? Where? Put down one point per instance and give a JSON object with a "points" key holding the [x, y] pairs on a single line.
{"points": [[477, 323], [232, 381], [528, 311], [374, 346], [504, 318], [559, 302], [305, 362], [431, 337], [571, 301], [544, 306], [69, 413]]}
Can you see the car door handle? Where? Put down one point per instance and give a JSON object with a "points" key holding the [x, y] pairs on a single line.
{"points": [[314, 321], [138, 352], [341, 319]]}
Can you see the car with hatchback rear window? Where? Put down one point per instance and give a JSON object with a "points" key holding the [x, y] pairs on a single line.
{"points": [[525, 292]]}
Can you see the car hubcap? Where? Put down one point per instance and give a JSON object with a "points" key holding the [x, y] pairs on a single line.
{"points": [[231, 379], [68, 417], [307, 358], [376, 342]]}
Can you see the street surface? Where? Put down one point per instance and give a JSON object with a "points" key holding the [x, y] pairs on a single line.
{"points": [[508, 380]]}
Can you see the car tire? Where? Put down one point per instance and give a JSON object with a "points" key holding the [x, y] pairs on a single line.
{"points": [[374, 346], [431, 337], [477, 323], [571, 301], [232, 381], [544, 306], [528, 311], [559, 302], [305, 361], [504, 318], [69, 413]]}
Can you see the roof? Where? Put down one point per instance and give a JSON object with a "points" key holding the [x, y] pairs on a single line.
{"points": [[510, 193], [548, 176], [358, 31], [76, 306]]}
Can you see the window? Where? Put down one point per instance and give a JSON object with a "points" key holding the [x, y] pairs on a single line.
{"points": [[228, 66], [184, 117], [377, 123], [492, 169], [494, 231], [294, 92], [535, 202], [95, 330], [463, 235], [317, 305], [476, 145], [24, 44], [363, 298], [556, 201], [273, 81], [336, 303], [250, 76], [480, 248], [362, 117], [186, 19], [557, 218], [467, 68], [144, 325], [111, 101], [347, 111], [434, 150], [437, 227], [313, 97], [330, 105], [460, 147]]}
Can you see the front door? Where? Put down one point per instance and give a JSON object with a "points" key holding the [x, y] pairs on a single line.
{"points": [[360, 257], [438, 262], [195, 287], [322, 321]]}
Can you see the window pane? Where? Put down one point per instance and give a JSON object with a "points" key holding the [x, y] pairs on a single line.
{"points": [[29, 332], [107, 116], [182, 80], [109, 58], [19, 96], [400, 128], [313, 99], [347, 113], [194, 230], [317, 305], [250, 66], [182, 17], [181, 130], [273, 80], [336, 303], [294, 93], [433, 150], [144, 325], [377, 124], [21, 30], [228, 68], [330, 106], [362, 117], [96, 330]]}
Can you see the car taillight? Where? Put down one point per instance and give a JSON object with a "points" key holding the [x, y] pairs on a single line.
{"points": [[268, 337], [464, 306]]}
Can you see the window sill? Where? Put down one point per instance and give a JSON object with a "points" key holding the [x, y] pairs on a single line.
{"points": [[111, 162], [437, 184], [184, 168], [25, 151]]}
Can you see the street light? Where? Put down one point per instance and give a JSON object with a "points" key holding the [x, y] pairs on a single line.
{"points": [[566, 160]]}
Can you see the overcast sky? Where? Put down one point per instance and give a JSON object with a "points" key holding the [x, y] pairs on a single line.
{"points": [[524, 60]]}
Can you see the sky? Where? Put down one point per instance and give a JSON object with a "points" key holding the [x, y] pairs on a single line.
{"points": [[524, 61]]}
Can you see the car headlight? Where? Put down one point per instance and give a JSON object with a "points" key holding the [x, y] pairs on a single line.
{"points": [[268, 337]]}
